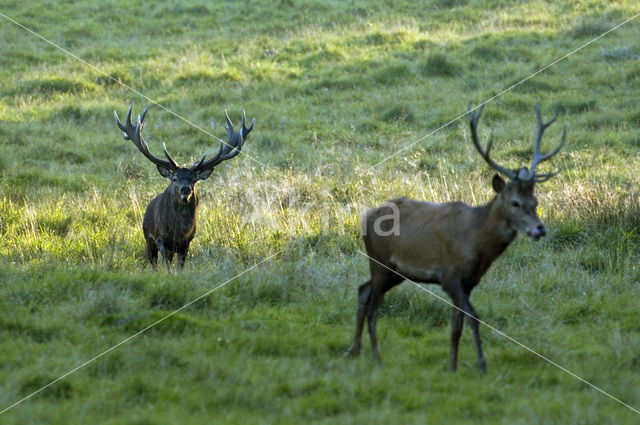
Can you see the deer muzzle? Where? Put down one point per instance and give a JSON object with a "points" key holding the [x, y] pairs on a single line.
{"points": [[537, 232], [185, 193]]}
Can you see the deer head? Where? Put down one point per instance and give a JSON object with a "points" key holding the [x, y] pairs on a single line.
{"points": [[183, 180], [516, 196]]}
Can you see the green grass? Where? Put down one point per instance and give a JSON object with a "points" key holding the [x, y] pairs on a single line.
{"points": [[335, 87]]}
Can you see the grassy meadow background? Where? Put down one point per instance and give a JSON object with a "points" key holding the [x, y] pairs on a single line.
{"points": [[335, 87]]}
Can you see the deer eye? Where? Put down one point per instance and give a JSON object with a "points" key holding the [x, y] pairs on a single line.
{"points": [[174, 178], [515, 204]]}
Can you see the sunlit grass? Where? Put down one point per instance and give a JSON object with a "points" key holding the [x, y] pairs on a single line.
{"points": [[335, 87]]}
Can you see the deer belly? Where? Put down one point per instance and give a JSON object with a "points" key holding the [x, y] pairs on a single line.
{"points": [[172, 236], [417, 272]]}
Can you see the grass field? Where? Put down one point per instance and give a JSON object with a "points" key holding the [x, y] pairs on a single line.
{"points": [[335, 87]]}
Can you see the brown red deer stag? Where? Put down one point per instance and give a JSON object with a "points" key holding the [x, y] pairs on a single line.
{"points": [[169, 222], [451, 244]]}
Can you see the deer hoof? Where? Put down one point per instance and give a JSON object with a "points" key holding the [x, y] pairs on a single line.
{"points": [[482, 365], [352, 352]]}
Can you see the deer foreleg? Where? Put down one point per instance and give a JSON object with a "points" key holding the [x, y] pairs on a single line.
{"points": [[472, 317], [462, 305], [182, 256], [152, 252], [166, 254], [168, 259]]}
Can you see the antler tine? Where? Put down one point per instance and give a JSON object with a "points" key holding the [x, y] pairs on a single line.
{"points": [[197, 163], [144, 114], [228, 149], [473, 121], [224, 147], [233, 146], [537, 156], [231, 132], [120, 125], [539, 178], [175, 164], [134, 134], [245, 130]]}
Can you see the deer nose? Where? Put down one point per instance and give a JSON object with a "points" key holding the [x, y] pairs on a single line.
{"points": [[537, 232], [185, 190], [542, 230]]}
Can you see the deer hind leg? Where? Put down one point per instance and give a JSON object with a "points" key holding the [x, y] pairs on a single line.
{"points": [[372, 319], [457, 322], [364, 293]]}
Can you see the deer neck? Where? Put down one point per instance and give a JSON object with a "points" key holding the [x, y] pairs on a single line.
{"points": [[178, 205], [496, 232]]}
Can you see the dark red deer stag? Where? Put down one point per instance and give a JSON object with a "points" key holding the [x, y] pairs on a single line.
{"points": [[451, 244], [169, 222]]}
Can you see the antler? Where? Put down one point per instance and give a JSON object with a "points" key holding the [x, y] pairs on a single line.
{"points": [[537, 156], [473, 121], [134, 134], [227, 150]]}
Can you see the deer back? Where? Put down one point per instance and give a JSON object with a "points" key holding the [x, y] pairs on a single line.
{"points": [[431, 241]]}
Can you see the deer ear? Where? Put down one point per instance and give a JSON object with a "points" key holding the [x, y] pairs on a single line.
{"points": [[164, 171], [202, 175], [498, 183]]}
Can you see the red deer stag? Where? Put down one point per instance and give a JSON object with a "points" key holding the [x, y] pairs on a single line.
{"points": [[451, 244], [169, 222]]}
